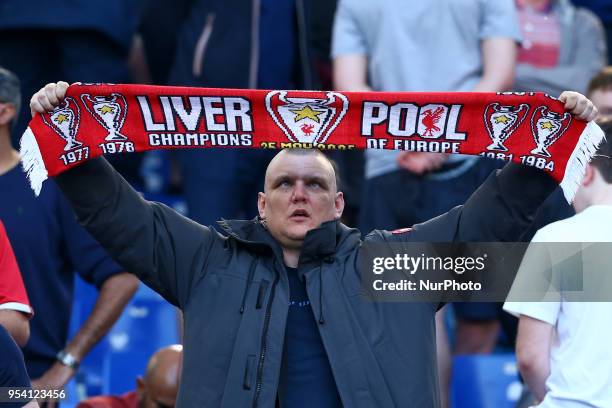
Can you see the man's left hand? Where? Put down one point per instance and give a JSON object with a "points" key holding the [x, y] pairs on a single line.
{"points": [[55, 378], [421, 162]]}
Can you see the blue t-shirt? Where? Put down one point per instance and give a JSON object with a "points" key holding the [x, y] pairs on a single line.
{"points": [[277, 44], [12, 369], [49, 246], [306, 376]]}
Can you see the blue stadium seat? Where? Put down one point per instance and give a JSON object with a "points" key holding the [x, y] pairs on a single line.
{"points": [[485, 381], [75, 392], [147, 324]]}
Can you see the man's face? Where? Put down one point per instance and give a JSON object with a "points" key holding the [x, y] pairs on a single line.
{"points": [[300, 194], [7, 114], [602, 98]]}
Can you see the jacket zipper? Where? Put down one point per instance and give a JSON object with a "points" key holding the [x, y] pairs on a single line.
{"points": [[264, 341], [200, 48], [254, 44]]}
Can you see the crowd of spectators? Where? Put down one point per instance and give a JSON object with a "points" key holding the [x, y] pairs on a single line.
{"points": [[349, 45]]}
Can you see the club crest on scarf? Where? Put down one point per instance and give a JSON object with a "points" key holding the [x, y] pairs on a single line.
{"points": [[65, 120], [108, 111], [547, 127], [306, 120], [501, 121]]}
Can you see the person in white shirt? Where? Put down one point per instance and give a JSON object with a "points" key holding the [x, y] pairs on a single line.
{"points": [[563, 347]]}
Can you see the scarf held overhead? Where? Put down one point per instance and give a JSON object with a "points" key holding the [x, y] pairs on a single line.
{"points": [[527, 128]]}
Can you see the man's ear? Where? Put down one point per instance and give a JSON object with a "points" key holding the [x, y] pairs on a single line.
{"points": [[339, 204], [7, 114], [261, 204], [140, 386], [589, 175]]}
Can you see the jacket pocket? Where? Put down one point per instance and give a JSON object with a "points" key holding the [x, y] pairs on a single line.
{"points": [[202, 44], [247, 382], [261, 294]]}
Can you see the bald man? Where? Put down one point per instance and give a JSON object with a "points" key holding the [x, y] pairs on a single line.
{"points": [[158, 388]]}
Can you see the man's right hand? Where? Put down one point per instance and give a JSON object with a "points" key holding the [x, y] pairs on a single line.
{"points": [[50, 96], [421, 162]]}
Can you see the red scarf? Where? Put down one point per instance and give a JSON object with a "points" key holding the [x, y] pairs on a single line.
{"points": [[532, 128]]}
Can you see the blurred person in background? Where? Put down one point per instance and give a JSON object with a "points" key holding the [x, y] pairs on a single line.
{"points": [[563, 347], [50, 246], [15, 309], [84, 41], [13, 373], [440, 45], [563, 47], [158, 388], [603, 10], [263, 44], [600, 92]]}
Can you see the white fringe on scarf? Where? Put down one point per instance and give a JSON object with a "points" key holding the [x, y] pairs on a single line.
{"points": [[32, 161], [585, 149]]}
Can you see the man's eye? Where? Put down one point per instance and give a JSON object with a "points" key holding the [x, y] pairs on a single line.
{"points": [[314, 184], [284, 184]]}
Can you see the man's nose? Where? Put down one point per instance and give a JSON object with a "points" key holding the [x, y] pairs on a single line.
{"points": [[299, 192]]}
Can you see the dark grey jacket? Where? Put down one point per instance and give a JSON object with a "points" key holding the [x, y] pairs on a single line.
{"points": [[234, 291]]}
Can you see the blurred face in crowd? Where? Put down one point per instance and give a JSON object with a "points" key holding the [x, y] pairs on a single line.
{"points": [[300, 194], [7, 114], [159, 387], [602, 99]]}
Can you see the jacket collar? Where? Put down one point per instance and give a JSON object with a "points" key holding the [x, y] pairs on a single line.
{"points": [[325, 241]]}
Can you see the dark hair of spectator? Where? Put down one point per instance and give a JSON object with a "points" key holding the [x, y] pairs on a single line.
{"points": [[603, 158], [601, 81]]}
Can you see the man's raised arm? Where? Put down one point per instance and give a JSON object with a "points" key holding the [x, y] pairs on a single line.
{"points": [[161, 247], [505, 205]]}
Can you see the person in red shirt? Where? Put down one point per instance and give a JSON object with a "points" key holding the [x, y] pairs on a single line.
{"points": [[15, 309], [158, 388]]}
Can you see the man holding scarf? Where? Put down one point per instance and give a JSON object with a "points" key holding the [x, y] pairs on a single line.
{"points": [[273, 307]]}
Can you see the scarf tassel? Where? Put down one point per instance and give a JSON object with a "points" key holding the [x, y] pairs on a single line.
{"points": [[584, 151], [32, 161]]}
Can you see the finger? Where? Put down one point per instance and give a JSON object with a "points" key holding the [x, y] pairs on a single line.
{"points": [[581, 106], [35, 106], [60, 89], [570, 99], [44, 101], [50, 93], [594, 114], [586, 113]]}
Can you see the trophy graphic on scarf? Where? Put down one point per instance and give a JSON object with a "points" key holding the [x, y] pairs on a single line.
{"points": [[547, 127], [108, 111], [64, 120], [501, 121], [306, 120]]}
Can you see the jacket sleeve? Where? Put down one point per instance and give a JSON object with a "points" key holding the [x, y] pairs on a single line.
{"points": [[164, 249], [500, 210]]}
